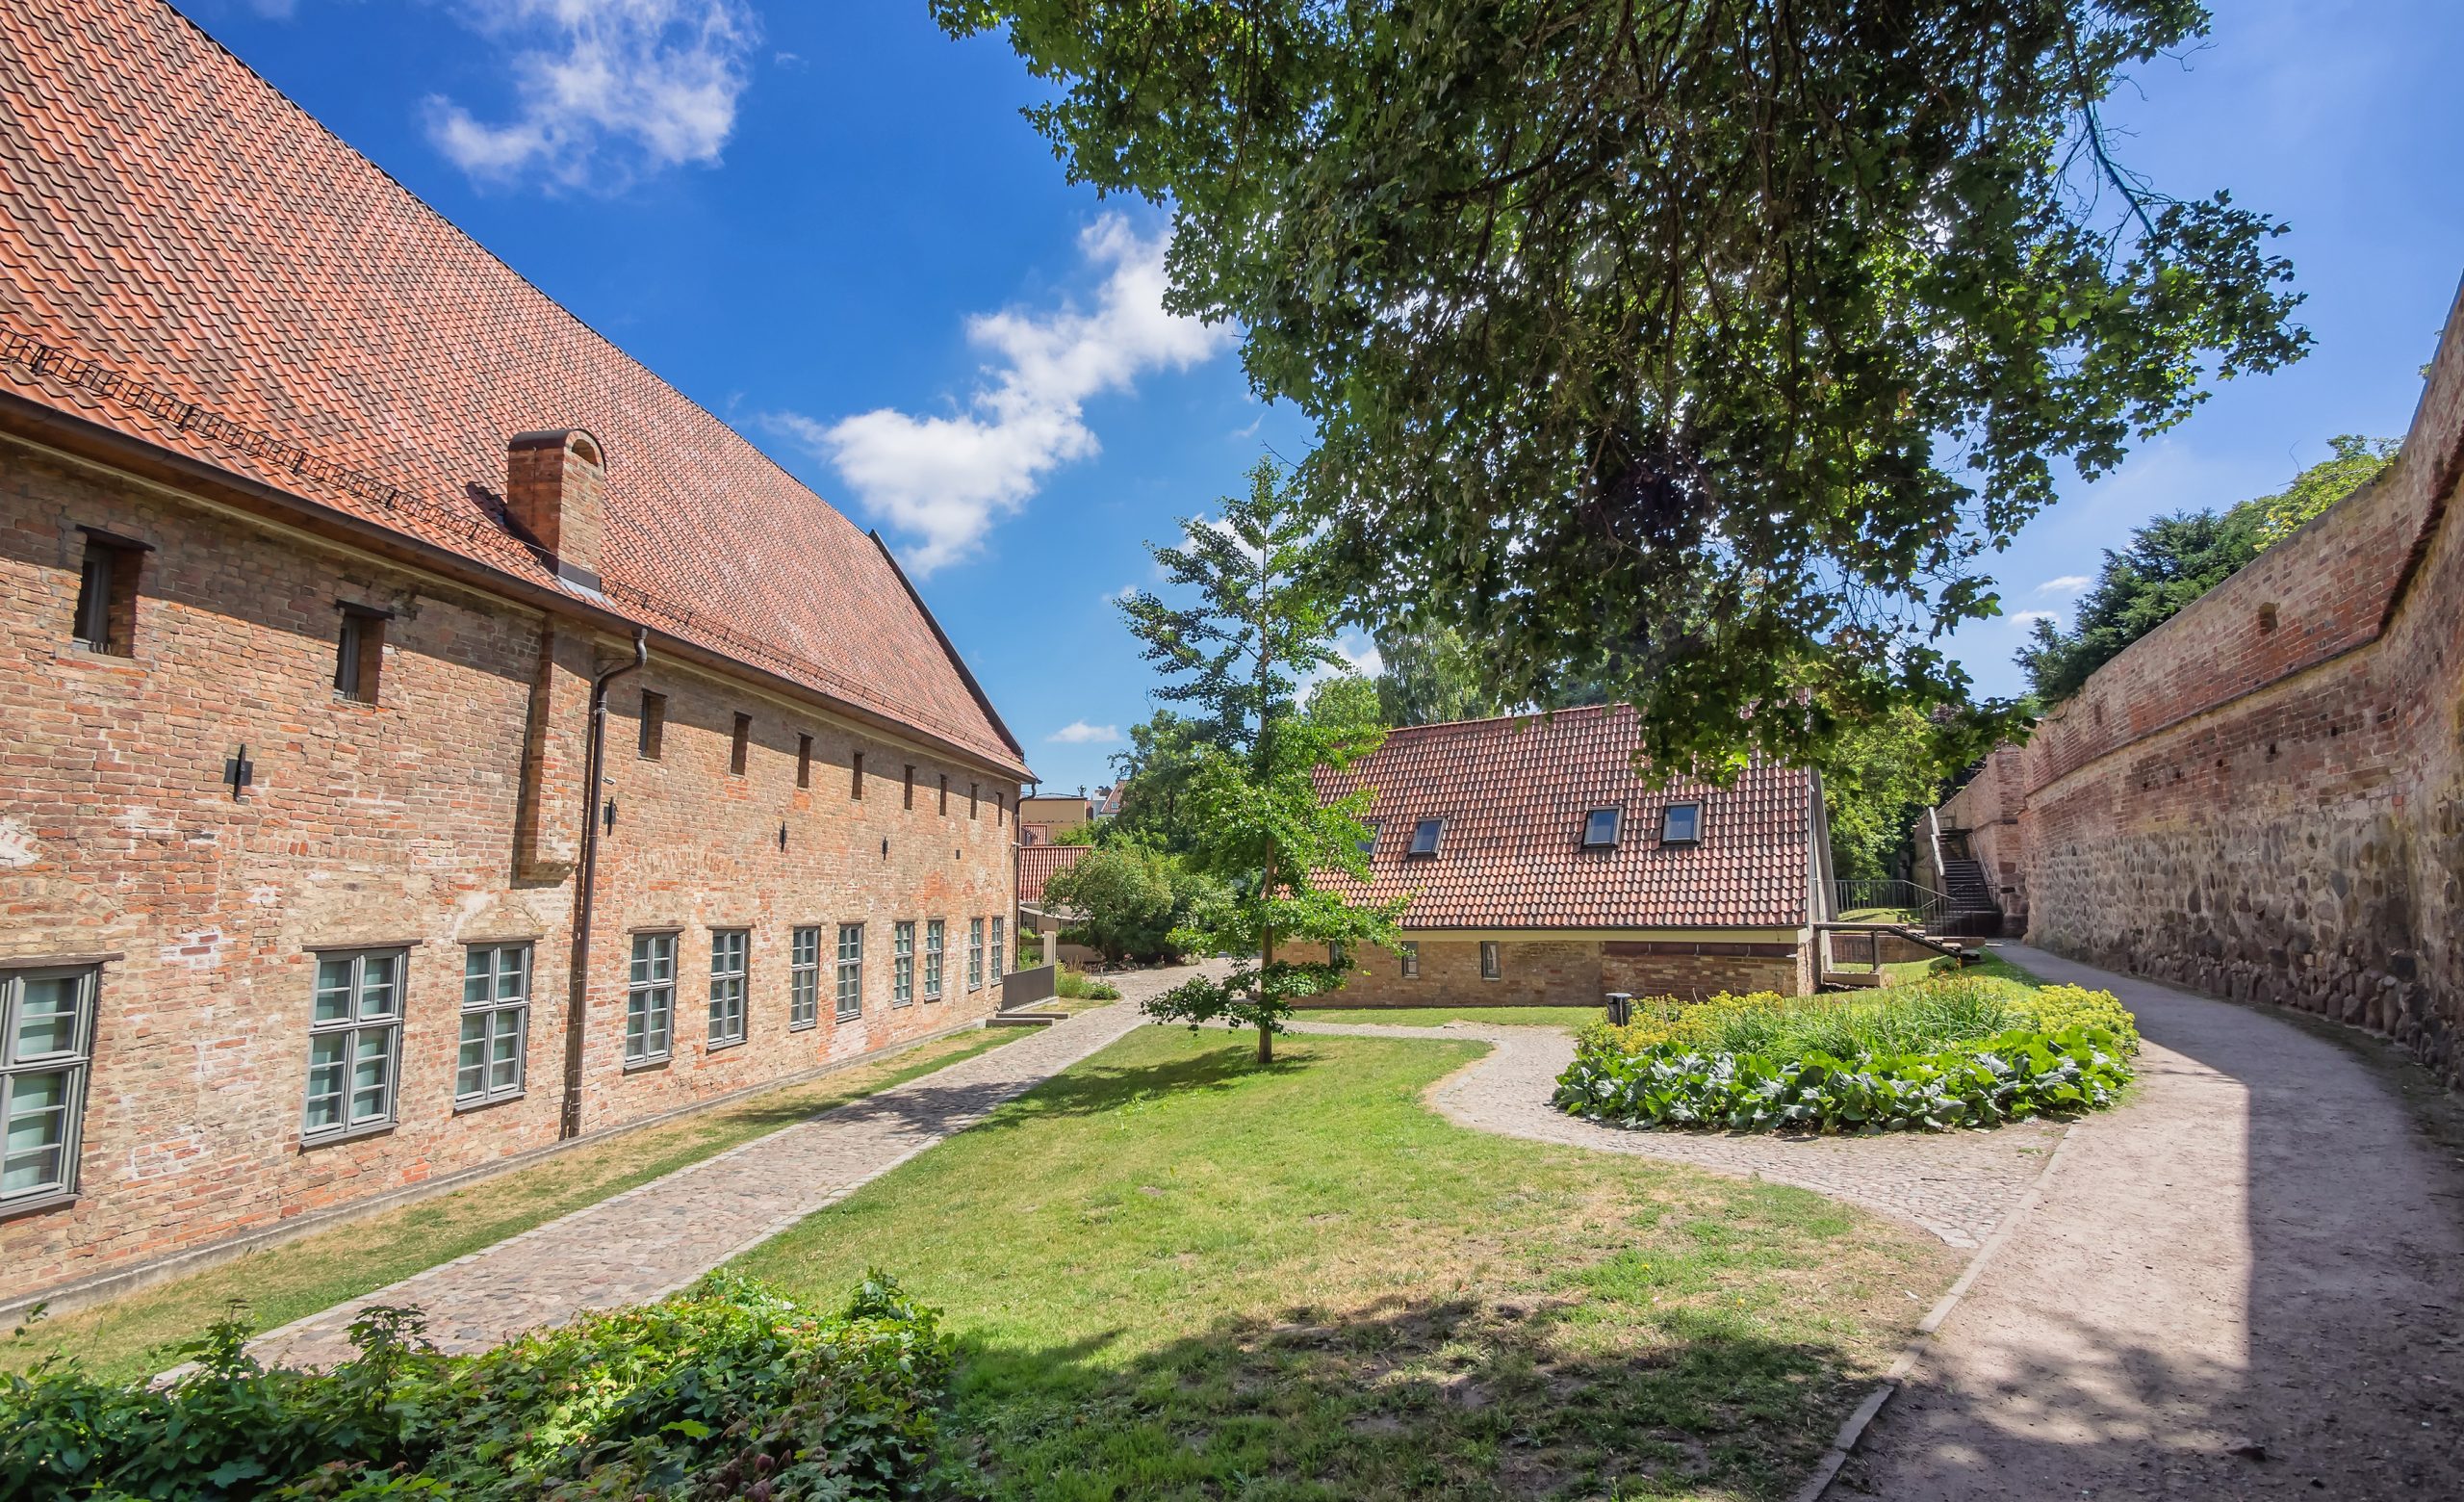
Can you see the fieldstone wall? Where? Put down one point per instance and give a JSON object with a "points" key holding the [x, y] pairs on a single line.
{"points": [[2264, 798]]}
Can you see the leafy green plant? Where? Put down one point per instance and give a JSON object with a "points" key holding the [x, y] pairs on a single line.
{"points": [[725, 1390], [1079, 986]]}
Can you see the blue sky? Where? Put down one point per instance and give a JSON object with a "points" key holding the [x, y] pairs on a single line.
{"points": [[829, 224]]}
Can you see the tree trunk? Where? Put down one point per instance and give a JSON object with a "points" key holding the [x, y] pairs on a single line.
{"points": [[1266, 1043]]}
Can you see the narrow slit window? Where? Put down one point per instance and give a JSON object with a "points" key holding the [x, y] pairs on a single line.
{"points": [[1425, 835], [804, 980], [652, 735], [1682, 824], [741, 745], [1000, 811], [856, 776], [1599, 829], [908, 799], [107, 581], [804, 760], [359, 653], [974, 804], [945, 794], [1492, 965]]}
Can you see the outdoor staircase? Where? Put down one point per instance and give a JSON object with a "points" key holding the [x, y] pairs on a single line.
{"points": [[1837, 976], [1972, 910]]}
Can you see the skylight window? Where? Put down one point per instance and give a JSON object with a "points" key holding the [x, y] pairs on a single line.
{"points": [[1600, 828], [1369, 845], [1681, 823], [1424, 835]]}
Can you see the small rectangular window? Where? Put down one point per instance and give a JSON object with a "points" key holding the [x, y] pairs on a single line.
{"points": [[359, 653], [1000, 953], [902, 963], [851, 972], [354, 1041], [804, 760], [653, 726], [46, 1047], [933, 941], [740, 745], [945, 792], [1600, 828], [107, 580], [1411, 957], [804, 980], [974, 804], [1369, 842], [1424, 835], [1000, 811], [495, 1023], [1682, 824], [728, 951], [1491, 968], [649, 999], [975, 954], [910, 795], [856, 776]]}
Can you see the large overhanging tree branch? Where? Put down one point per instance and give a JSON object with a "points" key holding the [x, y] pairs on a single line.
{"points": [[1697, 349]]}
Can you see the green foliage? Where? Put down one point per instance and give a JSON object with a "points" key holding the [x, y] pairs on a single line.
{"points": [[1695, 352], [1958, 1050], [1885, 773], [724, 1390], [1078, 986], [1346, 704], [2174, 559], [1121, 894], [1156, 769], [1428, 677], [1262, 626]]}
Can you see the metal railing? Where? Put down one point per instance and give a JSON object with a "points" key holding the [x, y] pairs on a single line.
{"points": [[1913, 902]]}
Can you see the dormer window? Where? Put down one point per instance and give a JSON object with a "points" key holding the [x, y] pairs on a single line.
{"points": [[1599, 829], [1424, 835], [1369, 842], [1682, 824]]}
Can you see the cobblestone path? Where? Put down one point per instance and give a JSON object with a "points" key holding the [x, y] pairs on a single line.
{"points": [[659, 1237], [1958, 1186]]}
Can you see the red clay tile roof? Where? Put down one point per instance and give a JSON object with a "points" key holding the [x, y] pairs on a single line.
{"points": [[1037, 863], [1513, 794], [175, 233]]}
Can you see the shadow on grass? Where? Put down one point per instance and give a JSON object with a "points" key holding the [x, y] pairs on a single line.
{"points": [[1442, 1398]]}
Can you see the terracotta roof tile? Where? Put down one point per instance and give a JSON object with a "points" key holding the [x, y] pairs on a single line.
{"points": [[1513, 794], [1037, 863], [197, 263]]}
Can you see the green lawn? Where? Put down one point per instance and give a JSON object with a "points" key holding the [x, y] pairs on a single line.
{"points": [[1177, 1275], [1440, 1016], [127, 1337]]}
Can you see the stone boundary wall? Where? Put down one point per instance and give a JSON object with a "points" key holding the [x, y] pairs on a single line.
{"points": [[2264, 798]]}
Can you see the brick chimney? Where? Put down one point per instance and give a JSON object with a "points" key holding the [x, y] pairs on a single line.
{"points": [[553, 486]]}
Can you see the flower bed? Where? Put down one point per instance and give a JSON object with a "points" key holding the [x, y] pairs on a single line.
{"points": [[724, 1390], [1962, 1051]]}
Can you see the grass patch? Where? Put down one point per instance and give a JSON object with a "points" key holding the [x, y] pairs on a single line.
{"points": [[1440, 1016], [1175, 1273], [127, 1337]]}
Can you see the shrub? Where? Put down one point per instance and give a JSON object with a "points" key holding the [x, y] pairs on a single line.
{"points": [[1961, 1050], [724, 1390], [1079, 986]]}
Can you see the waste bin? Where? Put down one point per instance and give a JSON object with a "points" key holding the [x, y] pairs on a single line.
{"points": [[1617, 1001]]}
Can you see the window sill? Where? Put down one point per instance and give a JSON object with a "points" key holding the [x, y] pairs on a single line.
{"points": [[482, 1103], [844, 1018], [38, 1203], [655, 1061], [721, 1046], [803, 1026], [354, 1134]]}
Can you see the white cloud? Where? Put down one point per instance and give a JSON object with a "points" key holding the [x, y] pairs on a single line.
{"points": [[1124, 592], [2067, 584], [943, 482], [602, 88], [1078, 733], [1362, 658], [2025, 619]]}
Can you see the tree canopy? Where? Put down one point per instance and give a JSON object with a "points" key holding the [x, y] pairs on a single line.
{"points": [[2174, 559], [1698, 350]]}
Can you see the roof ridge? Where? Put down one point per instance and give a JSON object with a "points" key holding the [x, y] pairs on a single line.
{"points": [[1543, 716]]}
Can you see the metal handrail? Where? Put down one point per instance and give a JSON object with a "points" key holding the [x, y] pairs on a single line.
{"points": [[1922, 902]]}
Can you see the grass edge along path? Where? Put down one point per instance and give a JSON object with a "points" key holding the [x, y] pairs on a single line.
{"points": [[1440, 1016], [1176, 1274], [270, 1288]]}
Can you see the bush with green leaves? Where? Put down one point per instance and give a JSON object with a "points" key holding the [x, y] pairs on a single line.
{"points": [[1958, 1051], [724, 1390]]}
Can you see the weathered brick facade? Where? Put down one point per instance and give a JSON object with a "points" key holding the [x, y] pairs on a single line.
{"points": [[394, 824], [2265, 797], [1572, 971]]}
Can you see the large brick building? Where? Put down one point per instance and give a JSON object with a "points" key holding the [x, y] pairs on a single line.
{"points": [[329, 548], [1538, 867]]}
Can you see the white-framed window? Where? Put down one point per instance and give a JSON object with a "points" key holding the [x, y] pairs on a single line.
{"points": [[354, 1041], [934, 933], [1410, 954], [1681, 823], [1492, 966], [975, 954], [902, 963], [495, 1023], [1600, 828], [1425, 835], [851, 970], [649, 999], [729, 949], [47, 1049], [1000, 951], [803, 978]]}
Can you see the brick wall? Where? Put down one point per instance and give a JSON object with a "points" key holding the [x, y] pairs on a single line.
{"points": [[1988, 810], [1560, 973], [2265, 797], [446, 813]]}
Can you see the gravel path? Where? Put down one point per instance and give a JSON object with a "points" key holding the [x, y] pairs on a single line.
{"points": [[1958, 1186], [2247, 1283], [659, 1237]]}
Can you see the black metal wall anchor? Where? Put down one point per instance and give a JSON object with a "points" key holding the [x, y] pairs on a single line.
{"points": [[240, 772]]}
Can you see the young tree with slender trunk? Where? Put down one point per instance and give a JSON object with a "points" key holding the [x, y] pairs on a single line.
{"points": [[1260, 626]]}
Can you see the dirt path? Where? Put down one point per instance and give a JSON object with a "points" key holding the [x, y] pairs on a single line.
{"points": [[2247, 1282]]}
